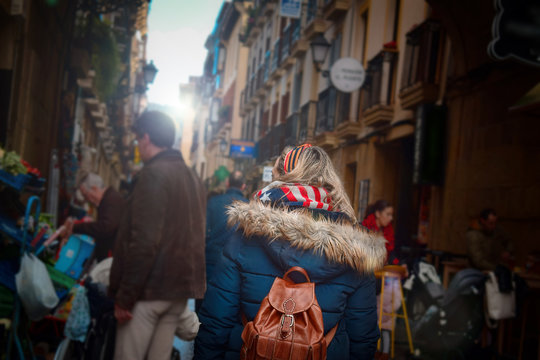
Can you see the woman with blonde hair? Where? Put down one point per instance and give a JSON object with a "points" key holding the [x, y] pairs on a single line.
{"points": [[305, 219]]}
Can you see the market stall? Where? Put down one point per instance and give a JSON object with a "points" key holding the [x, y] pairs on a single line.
{"points": [[36, 275]]}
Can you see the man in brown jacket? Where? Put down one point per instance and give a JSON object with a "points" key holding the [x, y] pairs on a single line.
{"points": [[159, 252]]}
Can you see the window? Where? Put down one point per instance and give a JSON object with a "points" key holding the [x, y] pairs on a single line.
{"points": [[326, 110], [392, 22], [296, 92], [363, 198]]}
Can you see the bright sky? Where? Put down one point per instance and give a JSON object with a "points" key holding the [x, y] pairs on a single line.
{"points": [[177, 30]]}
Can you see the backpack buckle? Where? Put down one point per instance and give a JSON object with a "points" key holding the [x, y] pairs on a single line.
{"points": [[287, 320]]}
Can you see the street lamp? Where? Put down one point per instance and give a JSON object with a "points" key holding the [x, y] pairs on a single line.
{"points": [[223, 146], [150, 72], [319, 50]]}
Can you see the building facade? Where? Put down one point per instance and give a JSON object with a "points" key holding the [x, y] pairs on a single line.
{"points": [[433, 129], [216, 95], [71, 83]]}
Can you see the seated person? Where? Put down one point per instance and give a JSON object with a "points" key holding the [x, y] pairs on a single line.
{"points": [[487, 246]]}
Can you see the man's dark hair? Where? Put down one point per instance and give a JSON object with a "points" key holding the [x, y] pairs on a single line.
{"points": [[159, 127], [484, 214], [236, 179]]}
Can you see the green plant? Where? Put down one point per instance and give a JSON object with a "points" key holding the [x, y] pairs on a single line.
{"points": [[105, 58]]}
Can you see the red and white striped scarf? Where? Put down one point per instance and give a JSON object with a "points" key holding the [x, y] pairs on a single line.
{"points": [[296, 195]]}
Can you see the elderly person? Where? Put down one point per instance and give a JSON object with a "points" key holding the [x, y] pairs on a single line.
{"points": [[110, 208], [304, 219]]}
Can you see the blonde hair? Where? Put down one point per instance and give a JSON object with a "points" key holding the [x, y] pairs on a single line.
{"points": [[315, 168]]}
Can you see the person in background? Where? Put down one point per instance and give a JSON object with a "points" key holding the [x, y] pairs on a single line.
{"points": [[487, 245], [303, 219], [110, 208], [379, 216], [159, 253], [216, 219]]}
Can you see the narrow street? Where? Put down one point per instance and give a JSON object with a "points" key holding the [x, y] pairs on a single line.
{"points": [[165, 163]]}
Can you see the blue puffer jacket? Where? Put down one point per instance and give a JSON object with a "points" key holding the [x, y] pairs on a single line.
{"points": [[216, 226], [338, 257]]}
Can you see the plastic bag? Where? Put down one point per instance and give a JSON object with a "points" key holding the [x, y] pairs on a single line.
{"points": [[499, 305], [35, 288], [188, 325], [79, 318]]}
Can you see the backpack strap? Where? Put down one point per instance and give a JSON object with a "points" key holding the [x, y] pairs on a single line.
{"points": [[330, 335]]}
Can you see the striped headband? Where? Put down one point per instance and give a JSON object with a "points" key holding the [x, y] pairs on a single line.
{"points": [[291, 159]]}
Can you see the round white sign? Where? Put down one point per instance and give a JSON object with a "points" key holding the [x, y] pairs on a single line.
{"points": [[347, 74]]}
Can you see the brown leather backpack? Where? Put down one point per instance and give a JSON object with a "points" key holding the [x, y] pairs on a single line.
{"points": [[289, 324]]}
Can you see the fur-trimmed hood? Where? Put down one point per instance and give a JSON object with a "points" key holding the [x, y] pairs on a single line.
{"points": [[339, 241]]}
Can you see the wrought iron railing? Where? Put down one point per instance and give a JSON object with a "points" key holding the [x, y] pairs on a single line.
{"points": [[312, 8], [266, 66], [291, 130], [278, 139], [343, 107], [326, 111], [285, 43], [295, 36], [303, 123], [264, 148], [260, 77], [276, 56]]}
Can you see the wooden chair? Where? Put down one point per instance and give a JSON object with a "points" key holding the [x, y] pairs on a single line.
{"points": [[396, 272]]}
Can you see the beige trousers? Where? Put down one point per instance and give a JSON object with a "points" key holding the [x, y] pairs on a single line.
{"points": [[150, 333]]}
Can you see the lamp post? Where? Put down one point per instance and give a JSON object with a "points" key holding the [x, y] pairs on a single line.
{"points": [[319, 51], [149, 71]]}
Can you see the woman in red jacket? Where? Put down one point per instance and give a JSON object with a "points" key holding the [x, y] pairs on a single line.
{"points": [[379, 216]]}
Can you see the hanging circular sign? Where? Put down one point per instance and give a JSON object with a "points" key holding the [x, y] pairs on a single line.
{"points": [[347, 74]]}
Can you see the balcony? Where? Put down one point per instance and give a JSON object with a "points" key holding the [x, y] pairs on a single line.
{"points": [[275, 73], [325, 119], [253, 99], [286, 60], [277, 136], [306, 122], [346, 127], [377, 95], [423, 51], [291, 130], [264, 147], [315, 24], [299, 45], [261, 92], [269, 8], [266, 74], [243, 109], [326, 111], [334, 9]]}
